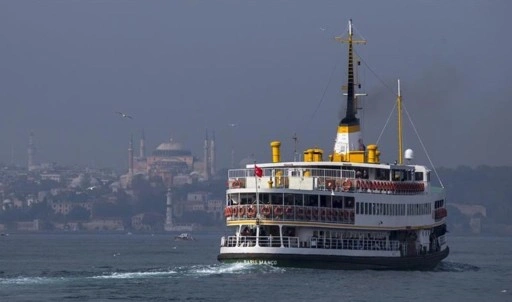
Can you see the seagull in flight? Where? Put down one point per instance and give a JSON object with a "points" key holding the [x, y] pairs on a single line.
{"points": [[322, 29], [232, 125], [124, 115]]}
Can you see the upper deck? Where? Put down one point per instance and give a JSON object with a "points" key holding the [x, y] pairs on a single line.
{"points": [[334, 177]]}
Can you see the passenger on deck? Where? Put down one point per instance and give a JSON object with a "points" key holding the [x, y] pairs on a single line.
{"points": [[362, 147]]}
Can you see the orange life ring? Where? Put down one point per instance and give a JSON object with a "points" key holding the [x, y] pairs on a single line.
{"points": [[266, 210], [278, 211], [241, 211], [347, 184], [227, 211], [235, 184], [251, 212], [289, 211]]}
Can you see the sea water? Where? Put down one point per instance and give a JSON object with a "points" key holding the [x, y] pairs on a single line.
{"points": [[122, 267]]}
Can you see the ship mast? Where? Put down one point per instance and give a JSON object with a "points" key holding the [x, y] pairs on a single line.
{"points": [[348, 137], [350, 116], [399, 114]]}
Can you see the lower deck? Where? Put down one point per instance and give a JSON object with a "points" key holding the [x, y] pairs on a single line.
{"points": [[287, 245]]}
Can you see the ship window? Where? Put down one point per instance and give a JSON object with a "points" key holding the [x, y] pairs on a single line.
{"points": [[358, 206], [337, 202], [418, 176], [276, 198], [264, 198], [312, 201], [233, 199], [349, 202], [247, 198], [382, 174], [288, 199], [298, 199], [397, 175], [366, 208], [378, 209], [323, 200]]}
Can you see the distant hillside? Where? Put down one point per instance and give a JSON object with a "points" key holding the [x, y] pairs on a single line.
{"points": [[490, 187]]}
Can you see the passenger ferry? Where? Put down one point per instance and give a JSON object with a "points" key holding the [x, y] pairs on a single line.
{"points": [[350, 211]]}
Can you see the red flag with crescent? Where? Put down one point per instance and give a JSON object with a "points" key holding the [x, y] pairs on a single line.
{"points": [[258, 171]]}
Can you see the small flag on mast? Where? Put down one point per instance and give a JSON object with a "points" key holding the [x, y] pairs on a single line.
{"points": [[258, 171]]}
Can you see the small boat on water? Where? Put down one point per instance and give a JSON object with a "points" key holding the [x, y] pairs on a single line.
{"points": [[184, 236], [351, 211]]}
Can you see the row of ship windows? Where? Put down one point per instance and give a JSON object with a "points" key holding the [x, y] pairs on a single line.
{"points": [[307, 200], [373, 208]]}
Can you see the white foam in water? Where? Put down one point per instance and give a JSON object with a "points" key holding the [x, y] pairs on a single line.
{"points": [[134, 275], [28, 280], [234, 268], [222, 269]]}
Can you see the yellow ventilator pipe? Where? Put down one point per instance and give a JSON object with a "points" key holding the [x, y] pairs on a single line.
{"points": [[276, 151]]}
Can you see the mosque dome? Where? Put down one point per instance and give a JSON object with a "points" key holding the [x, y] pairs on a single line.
{"points": [[170, 149], [170, 146]]}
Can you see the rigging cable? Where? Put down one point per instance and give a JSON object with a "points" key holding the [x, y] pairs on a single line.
{"points": [[423, 146], [323, 94]]}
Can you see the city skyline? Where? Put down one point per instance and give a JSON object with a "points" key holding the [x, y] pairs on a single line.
{"points": [[179, 68]]}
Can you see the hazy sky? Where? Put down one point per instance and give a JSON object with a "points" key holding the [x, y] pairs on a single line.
{"points": [[181, 67]]}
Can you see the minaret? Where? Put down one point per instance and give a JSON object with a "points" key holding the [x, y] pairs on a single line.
{"points": [[142, 150], [168, 213], [130, 156], [206, 157], [212, 155], [348, 136], [31, 150]]}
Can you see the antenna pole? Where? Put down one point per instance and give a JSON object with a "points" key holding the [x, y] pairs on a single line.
{"points": [[399, 113], [295, 138]]}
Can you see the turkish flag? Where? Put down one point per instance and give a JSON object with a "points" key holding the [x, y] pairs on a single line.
{"points": [[258, 171]]}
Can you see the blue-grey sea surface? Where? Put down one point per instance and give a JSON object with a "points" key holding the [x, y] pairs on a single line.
{"points": [[123, 267]]}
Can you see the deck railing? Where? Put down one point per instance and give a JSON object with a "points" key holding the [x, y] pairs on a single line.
{"points": [[314, 243]]}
